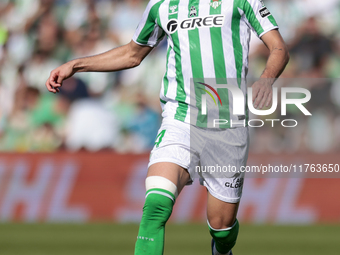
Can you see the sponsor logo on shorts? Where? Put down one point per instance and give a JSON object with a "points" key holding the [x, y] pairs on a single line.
{"points": [[237, 183]]}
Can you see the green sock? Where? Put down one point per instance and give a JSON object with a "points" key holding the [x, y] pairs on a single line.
{"points": [[225, 239], [156, 212]]}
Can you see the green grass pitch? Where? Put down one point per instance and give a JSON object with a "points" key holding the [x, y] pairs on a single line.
{"points": [[188, 239]]}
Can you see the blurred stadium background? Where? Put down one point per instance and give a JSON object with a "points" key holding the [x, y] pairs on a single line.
{"points": [[81, 156]]}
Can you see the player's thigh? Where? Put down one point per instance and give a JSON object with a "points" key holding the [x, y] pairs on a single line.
{"points": [[221, 214], [171, 156], [171, 171]]}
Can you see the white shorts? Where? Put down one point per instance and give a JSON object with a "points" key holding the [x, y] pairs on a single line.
{"points": [[215, 156]]}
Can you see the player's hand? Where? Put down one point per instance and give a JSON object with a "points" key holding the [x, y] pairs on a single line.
{"points": [[262, 93], [57, 76]]}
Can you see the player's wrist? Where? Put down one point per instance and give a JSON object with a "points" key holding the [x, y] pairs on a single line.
{"points": [[77, 65], [267, 80]]}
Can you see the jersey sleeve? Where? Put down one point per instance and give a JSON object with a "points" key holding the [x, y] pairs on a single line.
{"points": [[258, 17], [148, 32]]}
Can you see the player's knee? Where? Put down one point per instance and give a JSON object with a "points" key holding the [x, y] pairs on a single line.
{"points": [[220, 223], [157, 208], [225, 239], [159, 182], [160, 198]]}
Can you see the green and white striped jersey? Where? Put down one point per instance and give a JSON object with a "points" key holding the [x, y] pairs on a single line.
{"points": [[207, 40]]}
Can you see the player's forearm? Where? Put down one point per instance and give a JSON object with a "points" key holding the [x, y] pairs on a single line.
{"points": [[276, 63], [114, 60]]}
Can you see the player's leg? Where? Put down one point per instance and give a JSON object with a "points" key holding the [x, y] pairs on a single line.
{"points": [[171, 171], [166, 177], [227, 149], [163, 184], [223, 225]]}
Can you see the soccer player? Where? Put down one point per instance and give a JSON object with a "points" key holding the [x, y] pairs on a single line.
{"points": [[208, 40]]}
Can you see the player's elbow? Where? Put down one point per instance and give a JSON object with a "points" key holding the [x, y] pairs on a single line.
{"points": [[134, 55], [135, 61], [287, 55]]}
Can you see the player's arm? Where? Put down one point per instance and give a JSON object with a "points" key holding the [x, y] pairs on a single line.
{"points": [[276, 63], [124, 57]]}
